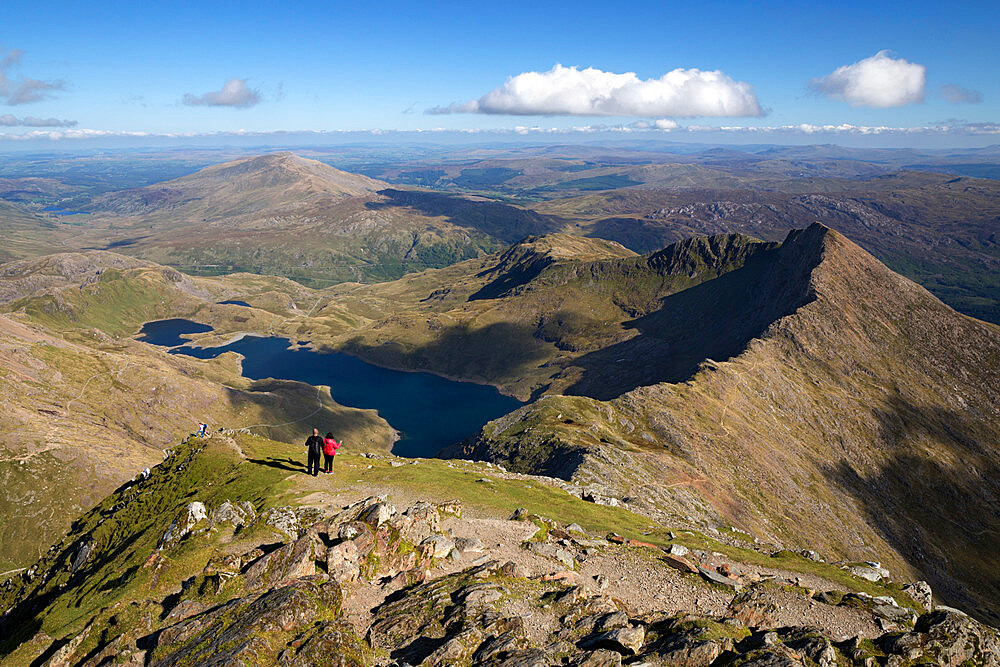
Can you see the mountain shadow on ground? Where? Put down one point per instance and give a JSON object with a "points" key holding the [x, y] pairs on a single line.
{"points": [[713, 320], [501, 221], [940, 525]]}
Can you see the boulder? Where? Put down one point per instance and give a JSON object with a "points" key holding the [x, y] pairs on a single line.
{"points": [[456, 650], [627, 641], [921, 593], [720, 579], [469, 545], [678, 550], [342, 562], [227, 512], [599, 658], [437, 546], [554, 552], [245, 630], [282, 519], [292, 561], [377, 514], [868, 572], [193, 514], [689, 651], [679, 563]]}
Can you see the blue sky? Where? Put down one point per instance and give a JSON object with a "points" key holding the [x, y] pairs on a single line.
{"points": [[361, 66]]}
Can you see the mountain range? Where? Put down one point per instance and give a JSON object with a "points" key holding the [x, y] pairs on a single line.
{"points": [[731, 357]]}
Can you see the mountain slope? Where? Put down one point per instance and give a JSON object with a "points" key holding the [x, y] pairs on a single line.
{"points": [[523, 318], [83, 407], [868, 407], [24, 233]]}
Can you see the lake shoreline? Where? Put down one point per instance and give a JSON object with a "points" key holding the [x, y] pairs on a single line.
{"points": [[430, 412]]}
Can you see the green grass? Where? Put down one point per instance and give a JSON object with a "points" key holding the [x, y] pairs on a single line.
{"points": [[127, 526]]}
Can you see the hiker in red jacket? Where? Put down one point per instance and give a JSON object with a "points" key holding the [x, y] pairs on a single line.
{"points": [[330, 447]]}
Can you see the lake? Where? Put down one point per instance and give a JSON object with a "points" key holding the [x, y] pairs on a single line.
{"points": [[429, 411], [55, 210], [167, 333]]}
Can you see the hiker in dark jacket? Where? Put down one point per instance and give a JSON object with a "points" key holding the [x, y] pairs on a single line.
{"points": [[315, 446]]}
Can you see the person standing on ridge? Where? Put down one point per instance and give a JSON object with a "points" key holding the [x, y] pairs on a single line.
{"points": [[330, 447], [314, 445], [202, 428]]}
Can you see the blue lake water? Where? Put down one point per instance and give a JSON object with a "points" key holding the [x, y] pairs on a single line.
{"points": [[431, 412], [168, 332], [55, 210], [235, 303]]}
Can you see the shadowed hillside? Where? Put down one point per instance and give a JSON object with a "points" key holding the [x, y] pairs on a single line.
{"points": [[865, 407]]}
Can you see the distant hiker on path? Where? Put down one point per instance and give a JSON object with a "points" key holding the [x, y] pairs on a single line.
{"points": [[202, 428], [315, 446], [330, 447]]}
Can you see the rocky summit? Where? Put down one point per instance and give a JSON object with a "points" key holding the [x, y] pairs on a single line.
{"points": [[198, 562]]}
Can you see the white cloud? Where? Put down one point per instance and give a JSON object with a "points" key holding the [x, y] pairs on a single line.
{"points": [[664, 124], [234, 94], [880, 81], [960, 95], [23, 90], [7, 120], [568, 91]]}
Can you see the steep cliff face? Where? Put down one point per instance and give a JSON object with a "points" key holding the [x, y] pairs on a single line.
{"points": [[859, 416]]}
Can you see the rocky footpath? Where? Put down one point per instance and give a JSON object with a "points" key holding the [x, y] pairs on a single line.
{"points": [[367, 584]]}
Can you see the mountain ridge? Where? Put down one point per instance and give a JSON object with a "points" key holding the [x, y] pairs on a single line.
{"points": [[862, 374]]}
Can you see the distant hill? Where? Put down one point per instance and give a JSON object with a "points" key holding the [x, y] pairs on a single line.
{"points": [[241, 187], [281, 214], [938, 230]]}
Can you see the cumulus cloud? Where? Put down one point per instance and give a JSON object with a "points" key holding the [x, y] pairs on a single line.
{"points": [[880, 81], [23, 90], [569, 91], [960, 95], [7, 120], [234, 94]]}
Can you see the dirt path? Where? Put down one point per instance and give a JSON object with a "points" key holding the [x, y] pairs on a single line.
{"points": [[636, 576]]}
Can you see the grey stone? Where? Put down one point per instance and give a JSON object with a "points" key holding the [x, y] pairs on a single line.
{"points": [[282, 519], [628, 641], [441, 545], [194, 513], [227, 512], [894, 614], [921, 593], [554, 552], [469, 544], [600, 658], [678, 550], [342, 562], [720, 579], [377, 514], [867, 572]]}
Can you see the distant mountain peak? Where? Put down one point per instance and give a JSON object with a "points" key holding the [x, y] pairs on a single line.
{"points": [[240, 187]]}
